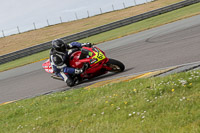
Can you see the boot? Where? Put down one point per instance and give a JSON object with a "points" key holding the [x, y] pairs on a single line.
{"points": [[70, 82]]}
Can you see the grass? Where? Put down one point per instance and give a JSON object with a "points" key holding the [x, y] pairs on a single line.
{"points": [[25, 60], [146, 24], [113, 34], [20, 41], [162, 104]]}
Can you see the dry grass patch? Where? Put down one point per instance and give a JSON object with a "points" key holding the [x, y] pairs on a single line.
{"points": [[31, 38]]}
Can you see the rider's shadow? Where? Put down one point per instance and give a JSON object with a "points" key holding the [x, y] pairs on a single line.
{"points": [[106, 76]]}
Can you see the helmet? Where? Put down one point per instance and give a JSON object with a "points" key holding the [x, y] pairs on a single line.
{"points": [[59, 45]]}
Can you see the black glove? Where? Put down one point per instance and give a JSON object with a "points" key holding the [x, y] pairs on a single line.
{"points": [[87, 44]]}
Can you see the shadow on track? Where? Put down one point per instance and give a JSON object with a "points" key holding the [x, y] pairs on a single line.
{"points": [[105, 76], [97, 79]]}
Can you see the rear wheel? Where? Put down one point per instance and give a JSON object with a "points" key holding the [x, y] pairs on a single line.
{"points": [[116, 65]]}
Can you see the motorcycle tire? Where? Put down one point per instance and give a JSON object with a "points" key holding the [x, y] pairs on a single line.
{"points": [[116, 65]]}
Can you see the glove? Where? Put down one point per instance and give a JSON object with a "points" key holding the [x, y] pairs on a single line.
{"points": [[87, 44]]}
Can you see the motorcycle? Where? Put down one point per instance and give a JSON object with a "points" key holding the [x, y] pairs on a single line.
{"points": [[96, 61]]}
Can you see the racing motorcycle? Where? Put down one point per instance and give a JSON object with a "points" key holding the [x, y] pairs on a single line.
{"points": [[96, 61]]}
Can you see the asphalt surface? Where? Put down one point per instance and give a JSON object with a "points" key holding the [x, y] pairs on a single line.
{"points": [[169, 45]]}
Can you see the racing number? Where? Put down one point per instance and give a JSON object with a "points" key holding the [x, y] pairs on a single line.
{"points": [[99, 56]]}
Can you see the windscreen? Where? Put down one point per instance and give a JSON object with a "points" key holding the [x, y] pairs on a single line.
{"points": [[85, 53]]}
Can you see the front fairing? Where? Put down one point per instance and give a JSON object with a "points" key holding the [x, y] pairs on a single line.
{"points": [[94, 56], [74, 60]]}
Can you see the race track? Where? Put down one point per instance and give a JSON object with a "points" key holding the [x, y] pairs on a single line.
{"points": [[169, 45]]}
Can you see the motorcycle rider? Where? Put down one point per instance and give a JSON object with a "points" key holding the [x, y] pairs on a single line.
{"points": [[59, 59]]}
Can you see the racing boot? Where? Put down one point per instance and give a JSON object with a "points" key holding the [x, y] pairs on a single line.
{"points": [[70, 82], [77, 80]]}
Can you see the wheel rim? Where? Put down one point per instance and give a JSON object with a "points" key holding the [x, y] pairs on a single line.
{"points": [[115, 68]]}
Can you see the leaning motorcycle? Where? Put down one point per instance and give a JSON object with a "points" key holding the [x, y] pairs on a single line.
{"points": [[96, 60]]}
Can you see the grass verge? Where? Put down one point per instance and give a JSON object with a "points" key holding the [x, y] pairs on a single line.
{"points": [[161, 104], [25, 60], [117, 33], [146, 24]]}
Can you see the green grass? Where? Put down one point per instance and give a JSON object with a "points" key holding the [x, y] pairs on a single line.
{"points": [[168, 104], [145, 24], [24, 61], [113, 34]]}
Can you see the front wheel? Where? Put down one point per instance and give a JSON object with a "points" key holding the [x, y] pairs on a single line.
{"points": [[115, 65]]}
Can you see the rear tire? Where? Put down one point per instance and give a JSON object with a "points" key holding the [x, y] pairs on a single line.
{"points": [[116, 65]]}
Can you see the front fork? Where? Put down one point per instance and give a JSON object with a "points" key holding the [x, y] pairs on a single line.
{"points": [[105, 66]]}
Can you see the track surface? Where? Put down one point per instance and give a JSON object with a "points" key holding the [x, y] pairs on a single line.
{"points": [[169, 45]]}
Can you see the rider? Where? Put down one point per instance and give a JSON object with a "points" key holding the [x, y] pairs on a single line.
{"points": [[59, 58]]}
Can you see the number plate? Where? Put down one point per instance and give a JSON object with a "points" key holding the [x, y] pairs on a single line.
{"points": [[99, 56]]}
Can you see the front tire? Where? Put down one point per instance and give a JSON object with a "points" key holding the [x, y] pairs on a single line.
{"points": [[116, 65]]}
